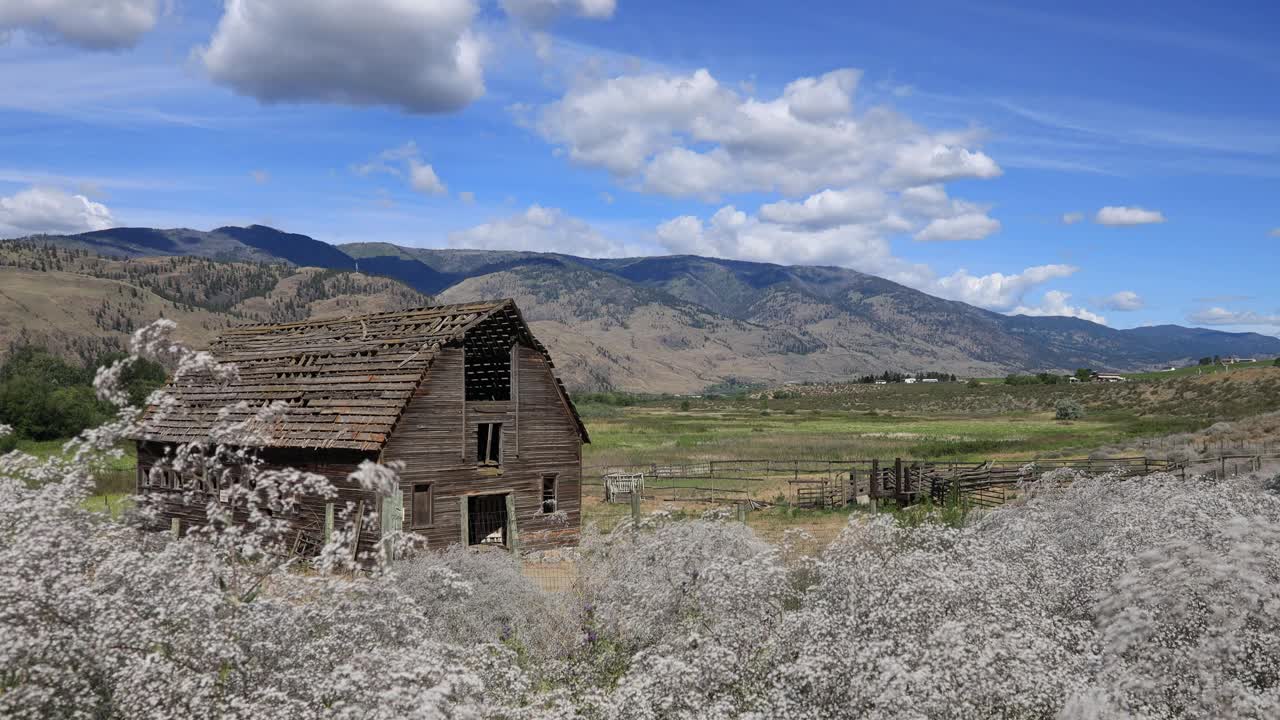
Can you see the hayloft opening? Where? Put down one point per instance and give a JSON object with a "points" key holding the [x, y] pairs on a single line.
{"points": [[488, 374]]}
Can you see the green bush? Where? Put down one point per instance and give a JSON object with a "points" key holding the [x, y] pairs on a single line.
{"points": [[1068, 409], [44, 397]]}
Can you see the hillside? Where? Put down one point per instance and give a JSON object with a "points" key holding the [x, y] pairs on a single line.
{"points": [[80, 304], [681, 323]]}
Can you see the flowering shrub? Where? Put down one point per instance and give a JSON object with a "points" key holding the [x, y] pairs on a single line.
{"points": [[1088, 598]]}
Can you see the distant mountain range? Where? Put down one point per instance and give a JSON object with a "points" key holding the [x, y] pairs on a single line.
{"points": [[682, 323]]}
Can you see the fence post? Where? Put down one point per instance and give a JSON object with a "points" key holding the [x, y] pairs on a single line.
{"points": [[635, 507], [328, 522], [742, 512], [897, 479], [955, 487], [873, 486], [175, 526]]}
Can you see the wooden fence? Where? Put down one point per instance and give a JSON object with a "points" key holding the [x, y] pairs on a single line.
{"points": [[836, 483]]}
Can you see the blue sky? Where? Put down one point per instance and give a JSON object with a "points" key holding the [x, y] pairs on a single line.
{"points": [[1108, 162]]}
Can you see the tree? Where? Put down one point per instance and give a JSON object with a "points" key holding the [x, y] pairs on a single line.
{"points": [[1083, 374], [46, 398], [1068, 409]]}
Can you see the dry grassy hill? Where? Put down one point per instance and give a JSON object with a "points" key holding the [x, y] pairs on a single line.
{"points": [[80, 304]]}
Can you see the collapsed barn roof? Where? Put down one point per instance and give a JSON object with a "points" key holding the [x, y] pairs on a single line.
{"points": [[344, 382]]}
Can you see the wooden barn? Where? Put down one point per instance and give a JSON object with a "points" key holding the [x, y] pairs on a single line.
{"points": [[464, 395]]}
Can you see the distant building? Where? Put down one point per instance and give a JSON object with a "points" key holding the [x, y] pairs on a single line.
{"points": [[1107, 377], [910, 381], [882, 382], [1237, 360], [930, 380], [1073, 379]]}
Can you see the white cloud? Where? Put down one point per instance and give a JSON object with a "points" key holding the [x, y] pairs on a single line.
{"points": [[969, 226], [732, 233], [1124, 301], [1055, 304], [539, 13], [50, 210], [829, 208], [1125, 215], [262, 177], [539, 229], [1223, 316], [423, 178], [1072, 218], [996, 291], [405, 161], [97, 25], [423, 57], [689, 135]]}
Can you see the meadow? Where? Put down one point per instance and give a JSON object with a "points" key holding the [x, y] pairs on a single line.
{"points": [[944, 421]]}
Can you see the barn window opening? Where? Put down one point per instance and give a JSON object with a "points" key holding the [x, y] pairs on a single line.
{"points": [[488, 374], [487, 520], [422, 506], [489, 443], [550, 486]]}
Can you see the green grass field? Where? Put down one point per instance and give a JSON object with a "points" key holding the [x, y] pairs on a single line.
{"points": [[656, 434]]}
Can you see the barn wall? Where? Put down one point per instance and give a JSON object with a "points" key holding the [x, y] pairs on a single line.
{"points": [[436, 439], [335, 465]]}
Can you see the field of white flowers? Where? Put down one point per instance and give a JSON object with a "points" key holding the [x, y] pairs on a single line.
{"points": [[1149, 598]]}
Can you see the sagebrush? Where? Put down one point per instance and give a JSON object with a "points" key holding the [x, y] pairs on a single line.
{"points": [[1089, 598]]}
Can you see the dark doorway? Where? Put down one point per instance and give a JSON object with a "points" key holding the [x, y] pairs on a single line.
{"points": [[487, 520]]}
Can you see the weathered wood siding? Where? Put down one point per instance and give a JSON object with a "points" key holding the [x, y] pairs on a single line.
{"points": [[335, 465], [436, 439]]}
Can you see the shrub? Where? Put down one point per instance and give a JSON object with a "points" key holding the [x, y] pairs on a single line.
{"points": [[1090, 598], [1068, 409]]}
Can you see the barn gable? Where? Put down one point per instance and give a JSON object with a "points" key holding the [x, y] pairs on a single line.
{"points": [[345, 382]]}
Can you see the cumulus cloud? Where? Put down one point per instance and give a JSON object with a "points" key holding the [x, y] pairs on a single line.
{"points": [[1055, 304], [405, 161], [1072, 218], [829, 208], [422, 177], [50, 210], [1223, 316], [969, 226], [539, 13], [539, 229], [1121, 215], [732, 233], [690, 135], [996, 291], [1123, 301], [797, 239], [97, 25], [424, 57]]}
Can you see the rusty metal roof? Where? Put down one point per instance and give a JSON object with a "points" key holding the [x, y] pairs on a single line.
{"points": [[345, 382]]}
